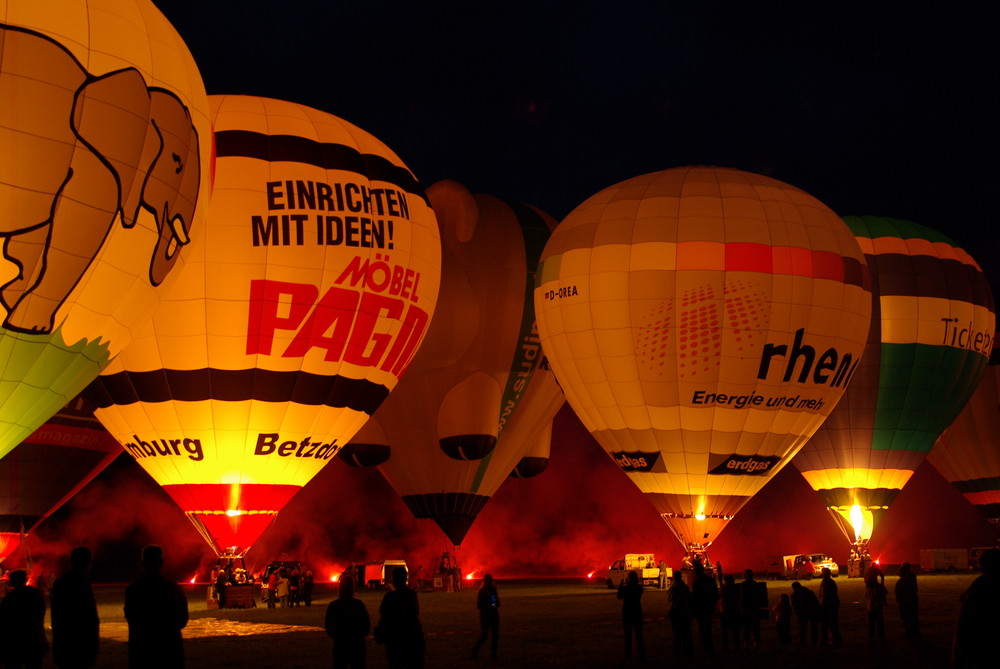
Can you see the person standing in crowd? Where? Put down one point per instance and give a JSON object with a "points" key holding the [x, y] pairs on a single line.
{"points": [[808, 568], [272, 588], [829, 604], [283, 588], [718, 572], [681, 614], [630, 592], [294, 586], [306, 587], [705, 597], [730, 614], [75, 623], [399, 625], [978, 617], [906, 600], [156, 610], [750, 607], [783, 620], [875, 599], [805, 604], [347, 623], [22, 624], [221, 584], [663, 574], [488, 603]]}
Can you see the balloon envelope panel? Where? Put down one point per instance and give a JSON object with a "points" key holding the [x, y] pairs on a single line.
{"points": [[54, 463], [303, 303], [702, 323], [105, 148], [932, 329], [449, 417], [968, 453]]}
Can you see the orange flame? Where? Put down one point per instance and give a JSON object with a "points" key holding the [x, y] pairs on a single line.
{"points": [[334, 578]]}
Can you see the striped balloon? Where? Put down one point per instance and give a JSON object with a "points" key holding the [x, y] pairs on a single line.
{"points": [[304, 302], [932, 331], [702, 323], [968, 453]]}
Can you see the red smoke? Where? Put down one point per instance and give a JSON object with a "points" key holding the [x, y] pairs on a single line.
{"points": [[578, 516]]}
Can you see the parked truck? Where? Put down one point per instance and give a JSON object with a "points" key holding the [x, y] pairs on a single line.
{"points": [[944, 559], [644, 564], [798, 566]]}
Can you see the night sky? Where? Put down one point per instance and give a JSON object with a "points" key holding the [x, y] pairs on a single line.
{"points": [[875, 108]]}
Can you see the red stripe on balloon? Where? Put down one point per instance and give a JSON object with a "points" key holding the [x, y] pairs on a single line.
{"points": [[222, 497], [791, 260]]}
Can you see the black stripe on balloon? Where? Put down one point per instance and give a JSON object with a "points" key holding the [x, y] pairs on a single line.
{"points": [[325, 155], [926, 276], [978, 485], [196, 385]]}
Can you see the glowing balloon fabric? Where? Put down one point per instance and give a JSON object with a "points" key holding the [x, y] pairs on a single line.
{"points": [[702, 323], [435, 435], [968, 453], [50, 466], [310, 294], [104, 152], [932, 330]]}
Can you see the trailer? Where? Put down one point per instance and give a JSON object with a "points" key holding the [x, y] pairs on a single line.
{"points": [[944, 559]]}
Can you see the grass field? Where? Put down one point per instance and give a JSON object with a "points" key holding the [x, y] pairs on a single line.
{"points": [[543, 624]]}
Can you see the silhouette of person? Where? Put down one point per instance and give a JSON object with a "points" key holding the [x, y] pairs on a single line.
{"points": [[718, 572], [399, 625], [705, 595], [750, 610], [730, 615], [22, 624], [906, 600], [347, 623], [156, 610], [805, 604], [875, 599], [829, 604], [783, 620], [307, 587], [681, 614], [488, 603], [630, 592], [75, 624], [978, 617]]}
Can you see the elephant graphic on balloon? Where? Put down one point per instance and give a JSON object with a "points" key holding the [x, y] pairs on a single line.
{"points": [[77, 151]]}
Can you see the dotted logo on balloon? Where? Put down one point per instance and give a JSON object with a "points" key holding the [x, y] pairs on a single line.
{"points": [[700, 328], [652, 342]]}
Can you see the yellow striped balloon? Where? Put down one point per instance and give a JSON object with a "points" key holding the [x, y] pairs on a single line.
{"points": [[304, 302], [702, 323], [932, 331]]}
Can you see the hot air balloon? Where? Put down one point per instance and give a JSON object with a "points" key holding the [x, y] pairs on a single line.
{"points": [[304, 303], [968, 453], [435, 436], [54, 463], [932, 330], [702, 323], [105, 145]]}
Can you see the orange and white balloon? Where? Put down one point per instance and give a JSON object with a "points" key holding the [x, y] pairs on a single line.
{"points": [[702, 323]]}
